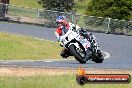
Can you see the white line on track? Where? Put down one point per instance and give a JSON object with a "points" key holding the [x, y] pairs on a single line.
{"points": [[48, 61], [5, 62], [107, 55]]}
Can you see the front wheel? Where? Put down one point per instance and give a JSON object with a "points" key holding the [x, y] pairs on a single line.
{"points": [[78, 55]]}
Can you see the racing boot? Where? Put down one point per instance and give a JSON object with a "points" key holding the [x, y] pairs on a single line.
{"points": [[64, 53], [88, 54]]}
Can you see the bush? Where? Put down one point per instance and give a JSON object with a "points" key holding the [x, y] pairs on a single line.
{"points": [[119, 9], [57, 5]]}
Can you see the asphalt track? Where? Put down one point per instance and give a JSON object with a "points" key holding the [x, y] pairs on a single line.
{"points": [[117, 48]]}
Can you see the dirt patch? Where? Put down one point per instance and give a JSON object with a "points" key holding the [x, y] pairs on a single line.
{"points": [[19, 71], [27, 19]]}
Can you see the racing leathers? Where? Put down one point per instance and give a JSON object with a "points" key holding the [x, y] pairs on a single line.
{"points": [[61, 30]]}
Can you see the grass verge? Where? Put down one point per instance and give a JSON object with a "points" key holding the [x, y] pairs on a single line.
{"points": [[26, 3], [53, 81], [22, 12], [14, 47]]}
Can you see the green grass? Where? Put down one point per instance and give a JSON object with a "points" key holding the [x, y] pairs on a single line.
{"points": [[58, 81], [23, 48], [26, 3], [22, 12], [130, 32], [81, 6], [19, 11]]}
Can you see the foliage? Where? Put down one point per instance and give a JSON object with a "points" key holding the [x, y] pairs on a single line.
{"points": [[117, 9], [57, 5], [81, 6]]}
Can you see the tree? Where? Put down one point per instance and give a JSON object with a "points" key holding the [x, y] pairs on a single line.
{"points": [[118, 9], [4, 1], [57, 5]]}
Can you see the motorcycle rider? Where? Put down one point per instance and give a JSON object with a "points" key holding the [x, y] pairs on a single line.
{"points": [[63, 27]]}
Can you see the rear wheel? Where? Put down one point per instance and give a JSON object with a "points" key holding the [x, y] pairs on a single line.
{"points": [[79, 54]]}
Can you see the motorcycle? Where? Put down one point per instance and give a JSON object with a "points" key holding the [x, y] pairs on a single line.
{"points": [[77, 46]]}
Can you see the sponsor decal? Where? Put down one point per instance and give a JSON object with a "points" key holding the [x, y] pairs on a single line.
{"points": [[83, 78]]}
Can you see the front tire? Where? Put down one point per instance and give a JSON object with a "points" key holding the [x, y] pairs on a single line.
{"points": [[77, 56]]}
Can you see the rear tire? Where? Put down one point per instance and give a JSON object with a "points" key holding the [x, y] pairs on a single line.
{"points": [[76, 55]]}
